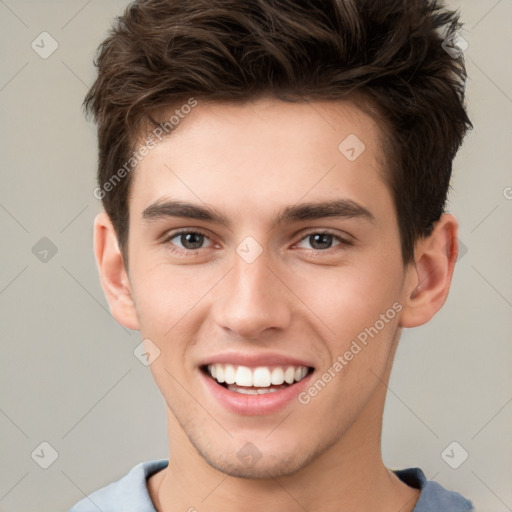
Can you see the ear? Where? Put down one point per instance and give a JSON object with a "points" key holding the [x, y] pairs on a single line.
{"points": [[113, 275], [429, 279]]}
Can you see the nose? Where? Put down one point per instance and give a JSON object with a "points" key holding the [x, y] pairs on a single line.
{"points": [[253, 299]]}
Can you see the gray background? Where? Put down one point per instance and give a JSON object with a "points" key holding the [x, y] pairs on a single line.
{"points": [[68, 375]]}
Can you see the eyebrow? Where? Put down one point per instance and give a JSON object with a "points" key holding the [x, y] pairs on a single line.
{"points": [[341, 208]]}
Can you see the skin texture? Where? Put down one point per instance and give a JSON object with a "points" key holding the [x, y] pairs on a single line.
{"points": [[248, 162]]}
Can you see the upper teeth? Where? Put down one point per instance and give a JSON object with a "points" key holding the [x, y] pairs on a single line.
{"points": [[260, 377]]}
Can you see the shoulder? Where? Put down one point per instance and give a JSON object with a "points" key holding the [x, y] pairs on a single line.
{"points": [[433, 496], [127, 494]]}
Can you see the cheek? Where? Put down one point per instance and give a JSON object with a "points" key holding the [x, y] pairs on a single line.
{"points": [[363, 313], [172, 305], [164, 294], [349, 299]]}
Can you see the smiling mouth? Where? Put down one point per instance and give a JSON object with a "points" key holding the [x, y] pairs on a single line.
{"points": [[255, 381]]}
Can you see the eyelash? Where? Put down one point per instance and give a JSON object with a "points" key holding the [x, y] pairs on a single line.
{"points": [[194, 252], [342, 241], [186, 252]]}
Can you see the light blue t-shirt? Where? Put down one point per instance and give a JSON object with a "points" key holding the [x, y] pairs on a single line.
{"points": [[130, 493]]}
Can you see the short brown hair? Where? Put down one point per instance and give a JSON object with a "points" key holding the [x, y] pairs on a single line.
{"points": [[389, 52]]}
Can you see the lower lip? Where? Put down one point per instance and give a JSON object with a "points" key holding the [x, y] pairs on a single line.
{"points": [[251, 405]]}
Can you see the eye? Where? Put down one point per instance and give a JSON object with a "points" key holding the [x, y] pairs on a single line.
{"points": [[320, 241], [188, 240]]}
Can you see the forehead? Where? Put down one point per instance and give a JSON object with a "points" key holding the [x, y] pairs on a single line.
{"points": [[262, 153]]}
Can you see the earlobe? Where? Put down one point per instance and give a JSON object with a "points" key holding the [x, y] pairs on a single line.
{"points": [[430, 277], [113, 275]]}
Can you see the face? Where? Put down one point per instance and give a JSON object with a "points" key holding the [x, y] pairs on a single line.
{"points": [[265, 266]]}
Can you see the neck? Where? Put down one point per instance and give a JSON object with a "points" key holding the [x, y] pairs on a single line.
{"points": [[349, 476]]}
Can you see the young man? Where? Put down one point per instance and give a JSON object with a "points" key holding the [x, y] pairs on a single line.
{"points": [[274, 175]]}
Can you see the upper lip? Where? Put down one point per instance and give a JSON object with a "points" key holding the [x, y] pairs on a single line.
{"points": [[254, 360]]}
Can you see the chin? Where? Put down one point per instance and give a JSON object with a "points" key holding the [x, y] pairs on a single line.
{"points": [[274, 461], [260, 470]]}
